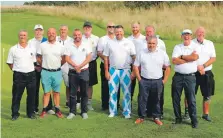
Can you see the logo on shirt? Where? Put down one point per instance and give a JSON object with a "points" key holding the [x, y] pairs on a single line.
{"points": [[83, 49]]}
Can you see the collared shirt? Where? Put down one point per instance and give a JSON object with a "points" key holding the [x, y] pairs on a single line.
{"points": [[51, 54], [78, 54], [189, 67], [207, 52], [65, 42], [120, 53], [22, 58], [152, 63], [102, 44], [93, 43], [138, 42]]}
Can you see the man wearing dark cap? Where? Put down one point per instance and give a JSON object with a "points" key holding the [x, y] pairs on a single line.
{"points": [[92, 42], [184, 58]]}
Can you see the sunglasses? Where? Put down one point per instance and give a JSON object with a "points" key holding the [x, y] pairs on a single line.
{"points": [[110, 26]]}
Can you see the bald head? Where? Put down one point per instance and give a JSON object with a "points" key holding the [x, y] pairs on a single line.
{"points": [[110, 28], [51, 33], [200, 34]]}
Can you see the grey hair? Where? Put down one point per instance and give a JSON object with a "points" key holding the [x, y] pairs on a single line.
{"points": [[22, 30], [151, 26], [64, 25], [150, 38]]}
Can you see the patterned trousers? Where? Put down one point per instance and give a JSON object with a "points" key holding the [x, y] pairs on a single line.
{"points": [[122, 77]]}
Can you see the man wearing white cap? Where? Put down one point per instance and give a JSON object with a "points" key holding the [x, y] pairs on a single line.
{"points": [[65, 40], [35, 43], [92, 41], [184, 58]]}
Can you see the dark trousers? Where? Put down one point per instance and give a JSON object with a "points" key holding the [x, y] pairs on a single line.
{"points": [[20, 82], [50, 105], [105, 90], [150, 100], [186, 82], [150, 88], [81, 80]]}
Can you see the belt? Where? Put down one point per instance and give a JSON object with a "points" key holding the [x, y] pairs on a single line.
{"points": [[72, 70], [28, 73], [52, 70], [190, 74], [150, 79]]}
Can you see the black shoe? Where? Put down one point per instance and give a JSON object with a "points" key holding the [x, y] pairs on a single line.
{"points": [[178, 121], [194, 125], [15, 117], [32, 116], [206, 117], [104, 108]]}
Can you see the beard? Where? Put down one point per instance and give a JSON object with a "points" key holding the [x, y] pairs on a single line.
{"points": [[135, 31]]}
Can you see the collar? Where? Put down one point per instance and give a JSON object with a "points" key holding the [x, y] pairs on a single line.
{"points": [[136, 37], [20, 47], [151, 51], [201, 43]]}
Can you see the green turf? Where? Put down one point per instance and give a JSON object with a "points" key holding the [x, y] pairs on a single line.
{"points": [[98, 124]]}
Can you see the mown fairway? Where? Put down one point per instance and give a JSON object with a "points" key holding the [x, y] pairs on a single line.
{"points": [[98, 124]]}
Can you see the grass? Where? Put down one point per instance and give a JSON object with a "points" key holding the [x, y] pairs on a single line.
{"points": [[98, 124]]}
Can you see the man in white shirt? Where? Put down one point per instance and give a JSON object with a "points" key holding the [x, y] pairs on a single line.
{"points": [[104, 82], [204, 75], [184, 58], [120, 53], [78, 55], [21, 59], [35, 43], [137, 38], [92, 41], [65, 40], [51, 57], [150, 31], [151, 79]]}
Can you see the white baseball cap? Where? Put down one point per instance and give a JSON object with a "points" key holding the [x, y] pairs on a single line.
{"points": [[186, 31], [38, 26]]}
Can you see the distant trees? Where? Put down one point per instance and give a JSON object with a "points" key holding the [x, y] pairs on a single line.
{"points": [[54, 3]]}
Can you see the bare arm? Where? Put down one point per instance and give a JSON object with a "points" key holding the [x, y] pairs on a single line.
{"points": [[69, 61], [166, 74], [136, 71], [39, 59], [191, 57], [10, 66], [63, 60], [178, 61], [106, 63], [210, 61], [100, 54]]}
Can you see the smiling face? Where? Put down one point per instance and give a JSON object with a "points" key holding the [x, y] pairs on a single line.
{"points": [[119, 33], [110, 28], [87, 30], [39, 33], [51, 33], [135, 29], [77, 35], [23, 37], [63, 31], [200, 34]]}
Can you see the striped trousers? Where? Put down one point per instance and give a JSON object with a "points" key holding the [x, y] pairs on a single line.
{"points": [[122, 77]]}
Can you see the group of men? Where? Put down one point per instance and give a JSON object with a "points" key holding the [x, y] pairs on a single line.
{"points": [[123, 60]]}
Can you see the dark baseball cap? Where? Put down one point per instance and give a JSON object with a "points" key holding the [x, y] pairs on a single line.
{"points": [[87, 23]]}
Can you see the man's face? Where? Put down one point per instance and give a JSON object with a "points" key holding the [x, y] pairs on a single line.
{"points": [[186, 37], [110, 28], [152, 44], [119, 33], [51, 34], [23, 36], [77, 35], [63, 31], [39, 33], [149, 32], [87, 30], [200, 34], [135, 28]]}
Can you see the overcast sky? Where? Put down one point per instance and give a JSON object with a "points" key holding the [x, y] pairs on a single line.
{"points": [[12, 2]]}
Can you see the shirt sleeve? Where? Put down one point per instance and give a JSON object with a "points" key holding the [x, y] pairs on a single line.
{"points": [[10, 56], [137, 60], [89, 49], [162, 45], [100, 45], [176, 52], [166, 59], [62, 50], [106, 50], [132, 49], [33, 54], [67, 51], [213, 53], [39, 50]]}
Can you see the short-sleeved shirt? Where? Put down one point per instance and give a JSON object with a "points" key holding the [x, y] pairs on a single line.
{"points": [[78, 54], [207, 52], [51, 54], [22, 58], [138, 42], [120, 53], [93, 43], [152, 63], [189, 67], [102, 44], [65, 43]]}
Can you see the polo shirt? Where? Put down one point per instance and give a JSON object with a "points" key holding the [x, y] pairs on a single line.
{"points": [[35, 43], [152, 63], [102, 44], [65, 42], [119, 53], [51, 54], [92, 43], [78, 54], [189, 67], [138, 42], [207, 52], [22, 58]]}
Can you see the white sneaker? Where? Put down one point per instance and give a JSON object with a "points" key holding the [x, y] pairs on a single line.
{"points": [[70, 116], [78, 105], [51, 112], [111, 115], [127, 116], [90, 108], [37, 113], [84, 116]]}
